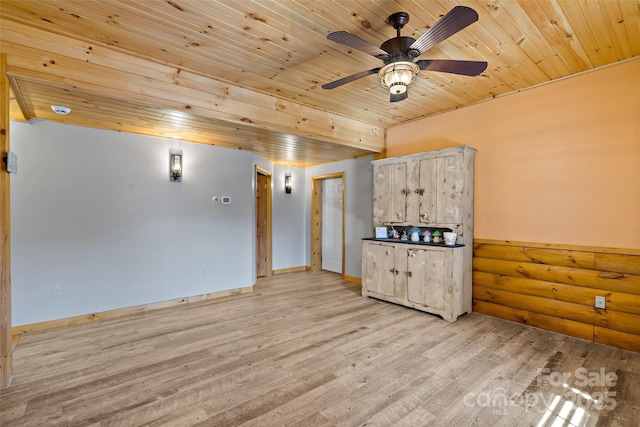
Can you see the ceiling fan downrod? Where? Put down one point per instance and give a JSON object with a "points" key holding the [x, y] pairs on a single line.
{"points": [[398, 20]]}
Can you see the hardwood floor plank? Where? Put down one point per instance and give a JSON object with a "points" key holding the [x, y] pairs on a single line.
{"points": [[418, 417], [265, 403], [626, 390], [188, 416], [315, 419], [305, 349]]}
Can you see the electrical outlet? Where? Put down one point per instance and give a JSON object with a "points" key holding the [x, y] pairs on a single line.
{"points": [[600, 302], [56, 290]]}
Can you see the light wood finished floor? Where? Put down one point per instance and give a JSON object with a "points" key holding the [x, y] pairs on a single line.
{"points": [[306, 350]]}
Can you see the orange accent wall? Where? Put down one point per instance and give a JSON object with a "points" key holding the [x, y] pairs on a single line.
{"points": [[559, 163]]}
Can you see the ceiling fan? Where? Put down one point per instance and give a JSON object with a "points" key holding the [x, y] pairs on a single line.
{"points": [[399, 52]]}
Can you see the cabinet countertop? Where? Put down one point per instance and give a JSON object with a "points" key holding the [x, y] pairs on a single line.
{"points": [[410, 242]]}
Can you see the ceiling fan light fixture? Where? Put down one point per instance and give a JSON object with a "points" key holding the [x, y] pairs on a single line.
{"points": [[398, 75], [398, 88]]}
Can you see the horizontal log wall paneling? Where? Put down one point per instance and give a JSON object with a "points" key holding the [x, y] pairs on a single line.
{"points": [[554, 287]]}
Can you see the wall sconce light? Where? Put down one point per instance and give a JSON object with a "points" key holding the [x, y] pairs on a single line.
{"points": [[288, 183], [175, 167]]}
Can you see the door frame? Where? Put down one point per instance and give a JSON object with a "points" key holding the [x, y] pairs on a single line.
{"points": [[316, 219], [268, 174], [6, 338]]}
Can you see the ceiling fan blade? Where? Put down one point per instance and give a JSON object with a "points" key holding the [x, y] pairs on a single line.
{"points": [[350, 78], [396, 97], [357, 43], [453, 66], [458, 18]]}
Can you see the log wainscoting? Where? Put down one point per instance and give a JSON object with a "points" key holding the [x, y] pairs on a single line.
{"points": [[554, 287]]}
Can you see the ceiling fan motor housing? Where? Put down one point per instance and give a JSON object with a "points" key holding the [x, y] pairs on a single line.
{"points": [[398, 49]]}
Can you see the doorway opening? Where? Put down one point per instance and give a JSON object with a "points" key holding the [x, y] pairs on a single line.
{"points": [[263, 223], [327, 223]]}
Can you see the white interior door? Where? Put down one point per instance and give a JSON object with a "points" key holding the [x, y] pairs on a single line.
{"points": [[332, 225]]}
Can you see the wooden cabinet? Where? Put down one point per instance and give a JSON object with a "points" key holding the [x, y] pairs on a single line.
{"points": [[427, 278], [431, 189], [426, 188]]}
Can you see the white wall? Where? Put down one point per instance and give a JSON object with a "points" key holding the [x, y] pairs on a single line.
{"points": [[94, 211], [358, 203], [288, 226]]}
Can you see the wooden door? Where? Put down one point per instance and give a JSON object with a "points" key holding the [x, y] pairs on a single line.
{"points": [[261, 224], [390, 194], [379, 268], [332, 225], [429, 277]]}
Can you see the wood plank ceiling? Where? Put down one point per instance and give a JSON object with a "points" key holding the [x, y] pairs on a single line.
{"points": [[248, 74]]}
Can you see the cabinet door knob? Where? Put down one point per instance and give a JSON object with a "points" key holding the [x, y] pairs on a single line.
{"points": [[408, 273]]}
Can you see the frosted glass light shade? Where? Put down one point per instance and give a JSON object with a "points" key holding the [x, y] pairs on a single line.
{"points": [[398, 75]]}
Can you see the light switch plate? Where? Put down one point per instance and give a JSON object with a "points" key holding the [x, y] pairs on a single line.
{"points": [[11, 159], [600, 302]]}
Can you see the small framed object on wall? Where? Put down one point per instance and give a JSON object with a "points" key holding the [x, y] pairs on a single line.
{"points": [[381, 233]]}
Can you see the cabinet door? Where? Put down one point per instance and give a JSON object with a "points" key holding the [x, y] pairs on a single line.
{"points": [[450, 181], [379, 272], [440, 190], [430, 276], [389, 194], [427, 191]]}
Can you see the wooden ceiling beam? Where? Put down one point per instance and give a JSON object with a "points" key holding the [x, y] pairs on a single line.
{"points": [[17, 105], [55, 59]]}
